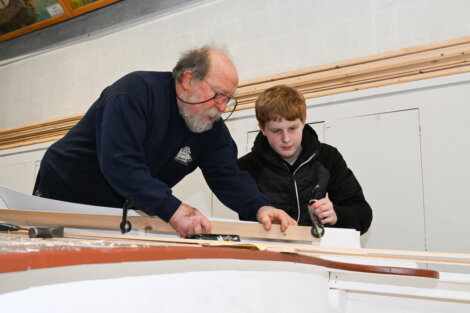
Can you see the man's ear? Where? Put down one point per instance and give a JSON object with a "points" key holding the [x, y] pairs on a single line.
{"points": [[187, 80], [261, 128]]}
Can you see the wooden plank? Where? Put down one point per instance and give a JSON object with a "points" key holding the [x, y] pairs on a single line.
{"points": [[379, 252], [396, 255], [151, 224]]}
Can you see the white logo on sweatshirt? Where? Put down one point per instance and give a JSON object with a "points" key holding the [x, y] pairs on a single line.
{"points": [[184, 156]]}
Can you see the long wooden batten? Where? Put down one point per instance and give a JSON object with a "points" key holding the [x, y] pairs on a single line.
{"points": [[150, 224], [410, 64]]}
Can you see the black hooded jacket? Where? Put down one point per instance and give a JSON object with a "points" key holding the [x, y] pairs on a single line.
{"points": [[319, 170]]}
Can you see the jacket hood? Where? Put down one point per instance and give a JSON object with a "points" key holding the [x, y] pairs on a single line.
{"points": [[310, 145]]}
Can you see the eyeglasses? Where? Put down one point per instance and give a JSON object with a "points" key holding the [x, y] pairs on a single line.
{"points": [[219, 98]]}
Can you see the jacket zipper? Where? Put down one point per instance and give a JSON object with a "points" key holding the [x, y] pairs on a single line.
{"points": [[295, 184]]}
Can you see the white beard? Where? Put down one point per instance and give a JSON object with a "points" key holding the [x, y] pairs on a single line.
{"points": [[197, 123]]}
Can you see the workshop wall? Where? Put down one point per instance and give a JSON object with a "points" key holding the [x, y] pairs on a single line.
{"points": [[263, 37]]}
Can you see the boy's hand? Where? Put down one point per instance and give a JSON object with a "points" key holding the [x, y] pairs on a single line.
{"points": [[325, 210], [268, 215]]}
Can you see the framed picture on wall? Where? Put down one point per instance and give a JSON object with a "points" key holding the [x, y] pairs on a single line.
{"points": [[18, 17]]}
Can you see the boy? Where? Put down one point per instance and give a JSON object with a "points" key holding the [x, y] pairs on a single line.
{"points": [[291, 167]]}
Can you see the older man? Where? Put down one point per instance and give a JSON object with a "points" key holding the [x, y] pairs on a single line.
{"points": [[145, 133]]}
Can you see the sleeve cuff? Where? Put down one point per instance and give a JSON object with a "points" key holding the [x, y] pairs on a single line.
{"points": [[167, 209]]}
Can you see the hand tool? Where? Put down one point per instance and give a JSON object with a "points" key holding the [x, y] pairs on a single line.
{"points": [[216, 237], [36, 231], [318, 230]]}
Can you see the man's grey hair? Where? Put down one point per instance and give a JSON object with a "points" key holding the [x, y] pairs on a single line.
{"points": [[196, 60]]}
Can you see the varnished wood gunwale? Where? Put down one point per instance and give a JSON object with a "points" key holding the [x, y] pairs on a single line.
{"points": [[64, 257]]}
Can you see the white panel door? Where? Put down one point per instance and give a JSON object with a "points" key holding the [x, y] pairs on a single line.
{"points": [[383, 151]]}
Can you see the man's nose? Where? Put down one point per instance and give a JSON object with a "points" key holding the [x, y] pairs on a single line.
{"points": [[221, 106]]}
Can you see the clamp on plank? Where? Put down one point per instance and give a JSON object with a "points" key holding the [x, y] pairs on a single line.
{"points": [[125, 225], [318, 230]]}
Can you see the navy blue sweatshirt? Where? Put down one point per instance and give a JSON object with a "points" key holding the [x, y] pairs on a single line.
{"points": [[133, 144]]}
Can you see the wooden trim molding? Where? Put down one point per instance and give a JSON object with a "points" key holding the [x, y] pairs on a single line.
{"points": [[36, 133], [410, 64], [405, 65]]}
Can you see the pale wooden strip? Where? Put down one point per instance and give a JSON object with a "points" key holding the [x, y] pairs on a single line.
{"points": [[388, 257], [399, 80], [380, 252], [396, 255], [150, 224], [22, 143], [361, 60], [55, 121], [34, 129], [408, 70], [83, 238], [421, 59], [347, 76]]}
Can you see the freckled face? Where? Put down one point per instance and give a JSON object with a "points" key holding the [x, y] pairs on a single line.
{"points": [[285, 137]]}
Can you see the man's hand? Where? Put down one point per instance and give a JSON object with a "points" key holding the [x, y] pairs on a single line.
{"points": [[325, 210], [268, 215], [188, 220]]}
